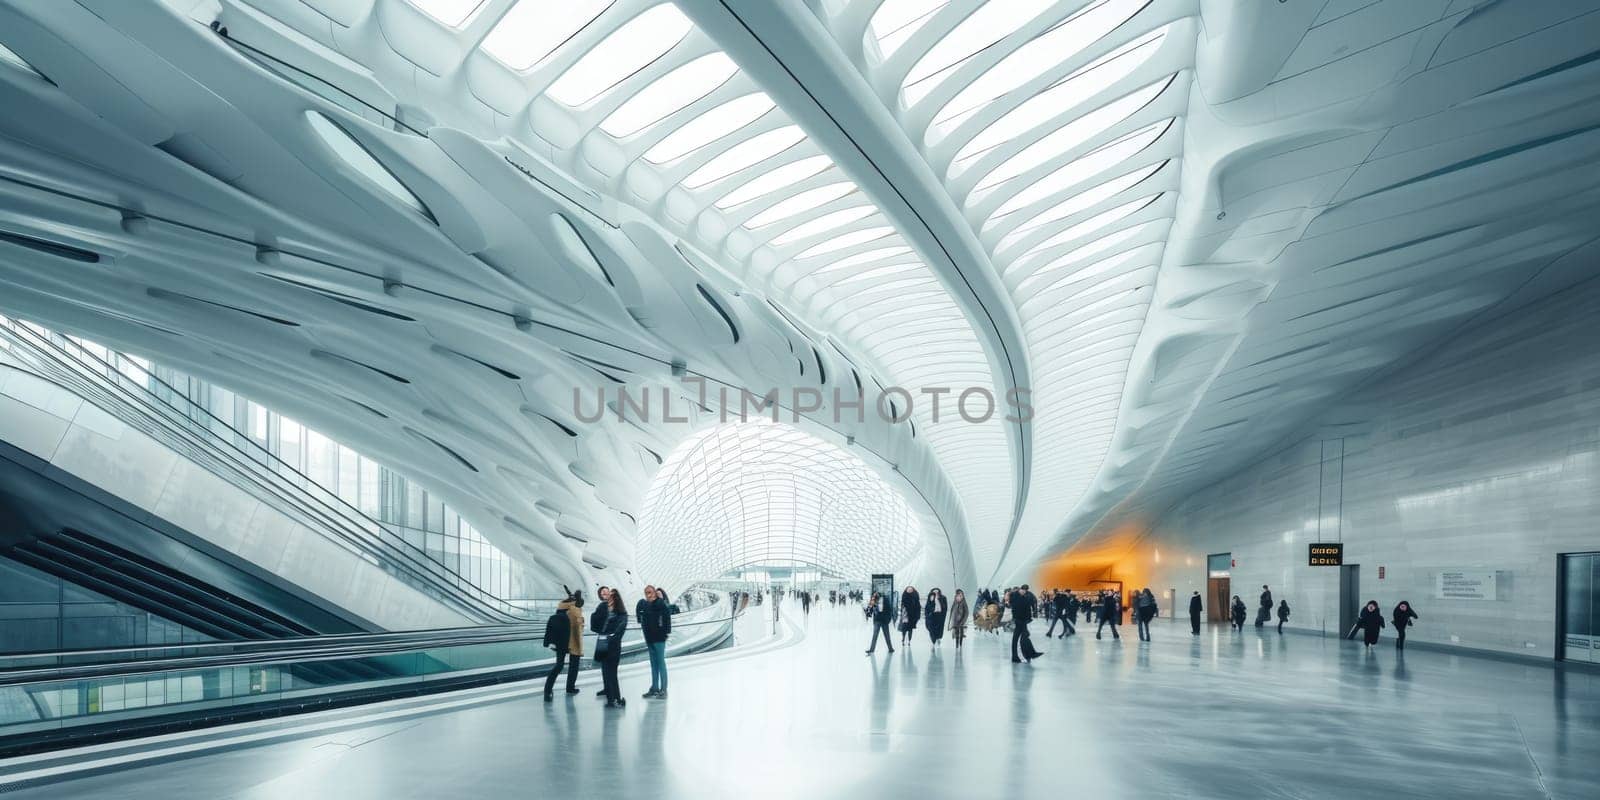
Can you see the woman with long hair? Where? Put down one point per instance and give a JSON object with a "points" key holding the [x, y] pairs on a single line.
{"points": [[934, 615], [910, 614], [958, 618], [608, 650]]}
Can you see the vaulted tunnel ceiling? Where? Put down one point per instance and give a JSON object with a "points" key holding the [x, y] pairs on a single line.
{"points": [[1182, 226]]}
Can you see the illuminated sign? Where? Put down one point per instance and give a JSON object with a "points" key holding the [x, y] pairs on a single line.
{"points": [[1327, 554]]}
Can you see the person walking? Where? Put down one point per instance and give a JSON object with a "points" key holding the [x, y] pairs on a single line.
{"points": [[1144, 610], [958, 619], [880, 611], [1369, 622], [1071, 628], [597, 623], [608, 649], [568, 655], [1023, 607], [1264, 611], [934, 615], [656, 621], [1058, 614], [1239, 613], [910, 613], [1110, 613], [1402, 617], [1194, 613], [1283, 615]]}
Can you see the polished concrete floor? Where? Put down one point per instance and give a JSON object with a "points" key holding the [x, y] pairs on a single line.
{"points": [[1223, 715]]}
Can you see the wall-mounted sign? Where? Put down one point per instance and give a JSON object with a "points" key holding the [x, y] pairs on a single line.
{"points": [[1465, 584], [1380, 573], [1327, 554]]}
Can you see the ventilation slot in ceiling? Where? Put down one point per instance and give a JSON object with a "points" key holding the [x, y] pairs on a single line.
{"points": [[436, 443], [178, 297], [340, 298], [480, 362], [51, 248], [327, 356], [722, 312]]}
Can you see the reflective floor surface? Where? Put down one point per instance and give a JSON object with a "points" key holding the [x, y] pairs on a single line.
{"points": [[1222, 715]]}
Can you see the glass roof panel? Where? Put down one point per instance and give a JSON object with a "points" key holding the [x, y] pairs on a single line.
{"points": [[670, 93], [800, 203], [785, 175], [1043, 52], [533, 29], [746, 153], [1067, 93], [896, 20], [1082, 200], [826, 222], [1081, 169], [630, 48], [1071, 135], [449, 12], [1094, 223], [990, 23], [844, 240], [763, 493], [864, 258], [355, 154], [710, 126]]}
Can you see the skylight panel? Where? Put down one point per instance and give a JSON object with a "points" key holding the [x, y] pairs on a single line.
{"points": [[801, 203], [1081, 169], [1094, 223], [844, 240], [785, 175], [448, 12], [1053, 276], [826, 222], [533, 29], [1082, 200], [896, 20], [751, 151], [710, 126], [628, 49], [1068, 93], [1071, 135], [1088, 249], [1043, 53], [990, 23], [864, 258], [669, 93]]}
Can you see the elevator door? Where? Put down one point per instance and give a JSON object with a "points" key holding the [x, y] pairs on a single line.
{"points": [[1578, 616], [1349, 597]]}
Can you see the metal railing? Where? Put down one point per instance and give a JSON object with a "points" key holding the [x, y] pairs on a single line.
{"points": [[193, 431]]}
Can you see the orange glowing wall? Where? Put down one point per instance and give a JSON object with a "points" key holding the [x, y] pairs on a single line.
{"points": [[1117, 556]]}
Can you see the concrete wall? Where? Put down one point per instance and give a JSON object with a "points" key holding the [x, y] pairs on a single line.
{"points": [[1480, 455], [56, 425]]}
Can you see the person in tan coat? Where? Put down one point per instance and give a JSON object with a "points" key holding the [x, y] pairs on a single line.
{"points": [[573, 606]]}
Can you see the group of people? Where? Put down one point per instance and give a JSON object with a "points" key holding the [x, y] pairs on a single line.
{"points": [[1370, 621], [609, 622], [1237, 613], [936, 614]]}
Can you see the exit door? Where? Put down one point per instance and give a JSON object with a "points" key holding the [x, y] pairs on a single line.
{"points": [[1349, 597]]}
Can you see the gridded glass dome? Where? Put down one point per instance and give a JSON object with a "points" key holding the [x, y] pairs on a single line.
{"points": [[769, 494]]}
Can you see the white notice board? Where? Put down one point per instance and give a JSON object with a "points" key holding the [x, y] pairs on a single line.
{"points": [[1465, 584]]}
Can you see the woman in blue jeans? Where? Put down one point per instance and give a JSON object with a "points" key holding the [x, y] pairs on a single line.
{"points": [[655, 619]]}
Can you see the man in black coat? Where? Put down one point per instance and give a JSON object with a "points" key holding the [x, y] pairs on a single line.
{"points": [[1110, 612], [881, 611], [1264, 613], [1194, 614], [1023, 606]]}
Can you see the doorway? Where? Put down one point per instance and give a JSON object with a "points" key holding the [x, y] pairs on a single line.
{"points": [[1218, 590], [1349, 597]]}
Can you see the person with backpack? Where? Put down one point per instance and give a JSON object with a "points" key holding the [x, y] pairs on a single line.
{"points": [[564, 634], [1283, 615], [655, 619], [597, 622], [608, 649]]}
